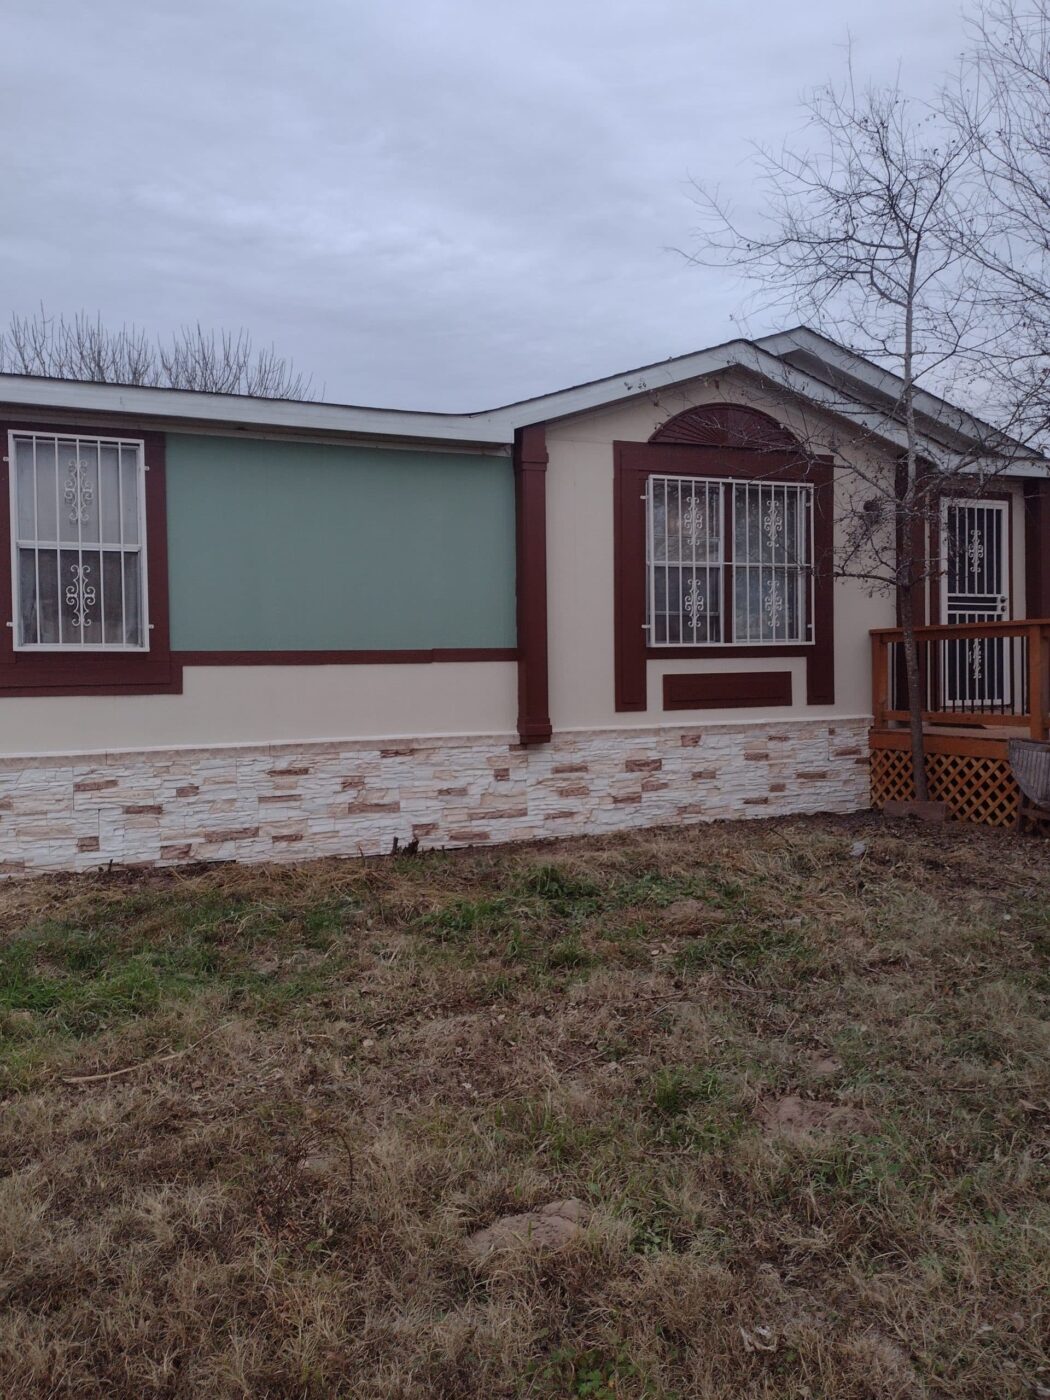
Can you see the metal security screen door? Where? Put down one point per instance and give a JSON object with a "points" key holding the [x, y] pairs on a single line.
{"points": [[975, 587]]}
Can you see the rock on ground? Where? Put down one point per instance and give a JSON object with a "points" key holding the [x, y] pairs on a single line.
{"points": [[549, 1227]]}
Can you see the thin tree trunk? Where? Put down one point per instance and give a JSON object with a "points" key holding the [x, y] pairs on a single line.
{"points": [[915, 497], [912, 673]]}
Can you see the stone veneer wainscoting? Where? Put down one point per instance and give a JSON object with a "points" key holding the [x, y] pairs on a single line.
{"points": [[284, 801]]}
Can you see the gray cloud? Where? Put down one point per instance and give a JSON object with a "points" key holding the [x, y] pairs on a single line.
{"points": [[428, 203]]}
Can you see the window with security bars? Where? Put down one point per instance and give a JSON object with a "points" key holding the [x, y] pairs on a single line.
{"points": [[729, 562], [79, 542]]}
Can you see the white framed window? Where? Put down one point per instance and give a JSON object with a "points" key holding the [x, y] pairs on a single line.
{"points": [[729, 563], [78, 518]]}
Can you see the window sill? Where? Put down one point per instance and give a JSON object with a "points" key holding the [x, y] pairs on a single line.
{"points": [[711, 649]]}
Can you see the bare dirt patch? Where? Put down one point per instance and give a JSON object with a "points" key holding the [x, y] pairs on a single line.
{"points": [[794, 1117]]}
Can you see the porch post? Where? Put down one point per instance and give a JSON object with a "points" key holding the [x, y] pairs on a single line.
{"points": [[1037, 548]]}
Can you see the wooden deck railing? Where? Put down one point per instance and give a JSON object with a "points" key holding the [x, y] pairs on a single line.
{"points": [[975, 673]]}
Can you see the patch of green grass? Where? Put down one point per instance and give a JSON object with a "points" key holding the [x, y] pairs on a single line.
{"points": [[675, 1091], [591, 1374], [81, 979], [85, 983], [463, 918], [695, 1108], [568, 954], [558, 889], [747, 948]]}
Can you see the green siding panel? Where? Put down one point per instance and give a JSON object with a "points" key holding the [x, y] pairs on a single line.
{"points": [[290, 546]]}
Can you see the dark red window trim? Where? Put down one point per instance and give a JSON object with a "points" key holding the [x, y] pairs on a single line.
{"points": [[150, 672], [634, 463], [410, 657]]}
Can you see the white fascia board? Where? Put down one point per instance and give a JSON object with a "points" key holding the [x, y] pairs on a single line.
{"points": [[737, 354], [883, 381], [27, 394]]}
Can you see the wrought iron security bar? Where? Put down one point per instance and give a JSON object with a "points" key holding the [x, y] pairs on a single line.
{"points": [[79, 542], [729, 562]]}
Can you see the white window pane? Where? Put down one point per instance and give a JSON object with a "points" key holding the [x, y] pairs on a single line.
{"points": [[129, 490], [47, 603], [46, 495], [675, 601], [109, 493], [112, 598], [25, 490], [658, 507], [746, 605], [658, 605], [27, 619], [133, 600]]}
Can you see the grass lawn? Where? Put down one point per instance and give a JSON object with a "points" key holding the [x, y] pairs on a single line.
{"points": [[251, 1116]]}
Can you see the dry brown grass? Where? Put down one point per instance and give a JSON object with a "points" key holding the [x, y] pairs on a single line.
{"points": [[381, 1057]]}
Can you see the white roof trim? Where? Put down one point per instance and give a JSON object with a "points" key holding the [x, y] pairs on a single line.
{"points": [[496, 427], [240, 411], [937, 411]]}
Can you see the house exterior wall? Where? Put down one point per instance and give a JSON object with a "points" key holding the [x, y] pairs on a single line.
{"points": [[581, 573], [271, 704]]}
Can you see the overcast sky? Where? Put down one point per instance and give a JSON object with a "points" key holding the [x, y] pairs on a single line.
{"points": [[426, 203]]}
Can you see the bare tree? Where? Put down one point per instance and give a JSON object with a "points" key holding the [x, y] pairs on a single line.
{"points": [[1001, 106], [193, 358], [866, 235]]}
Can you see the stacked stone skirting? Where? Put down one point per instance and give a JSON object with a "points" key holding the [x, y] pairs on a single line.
{"points": [[353, 797]]}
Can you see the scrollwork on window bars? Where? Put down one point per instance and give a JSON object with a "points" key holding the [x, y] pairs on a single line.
{"points": [[78, 493], [975, 549], [80, 594], [773, 603], [695, 604], [694, 518], [773, 522]]}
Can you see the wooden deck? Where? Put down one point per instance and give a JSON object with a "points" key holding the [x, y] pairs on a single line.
{"points": [[967, 731]]}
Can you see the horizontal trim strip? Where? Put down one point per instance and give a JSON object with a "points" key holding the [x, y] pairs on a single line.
{"points": [[626, 733], [424, 656]]}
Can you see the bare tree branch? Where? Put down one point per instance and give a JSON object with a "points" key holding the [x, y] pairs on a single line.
{"points": [[86, 350]]}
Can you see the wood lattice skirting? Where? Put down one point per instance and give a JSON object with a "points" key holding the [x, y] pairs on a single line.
{"points": [[971, 774]]}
